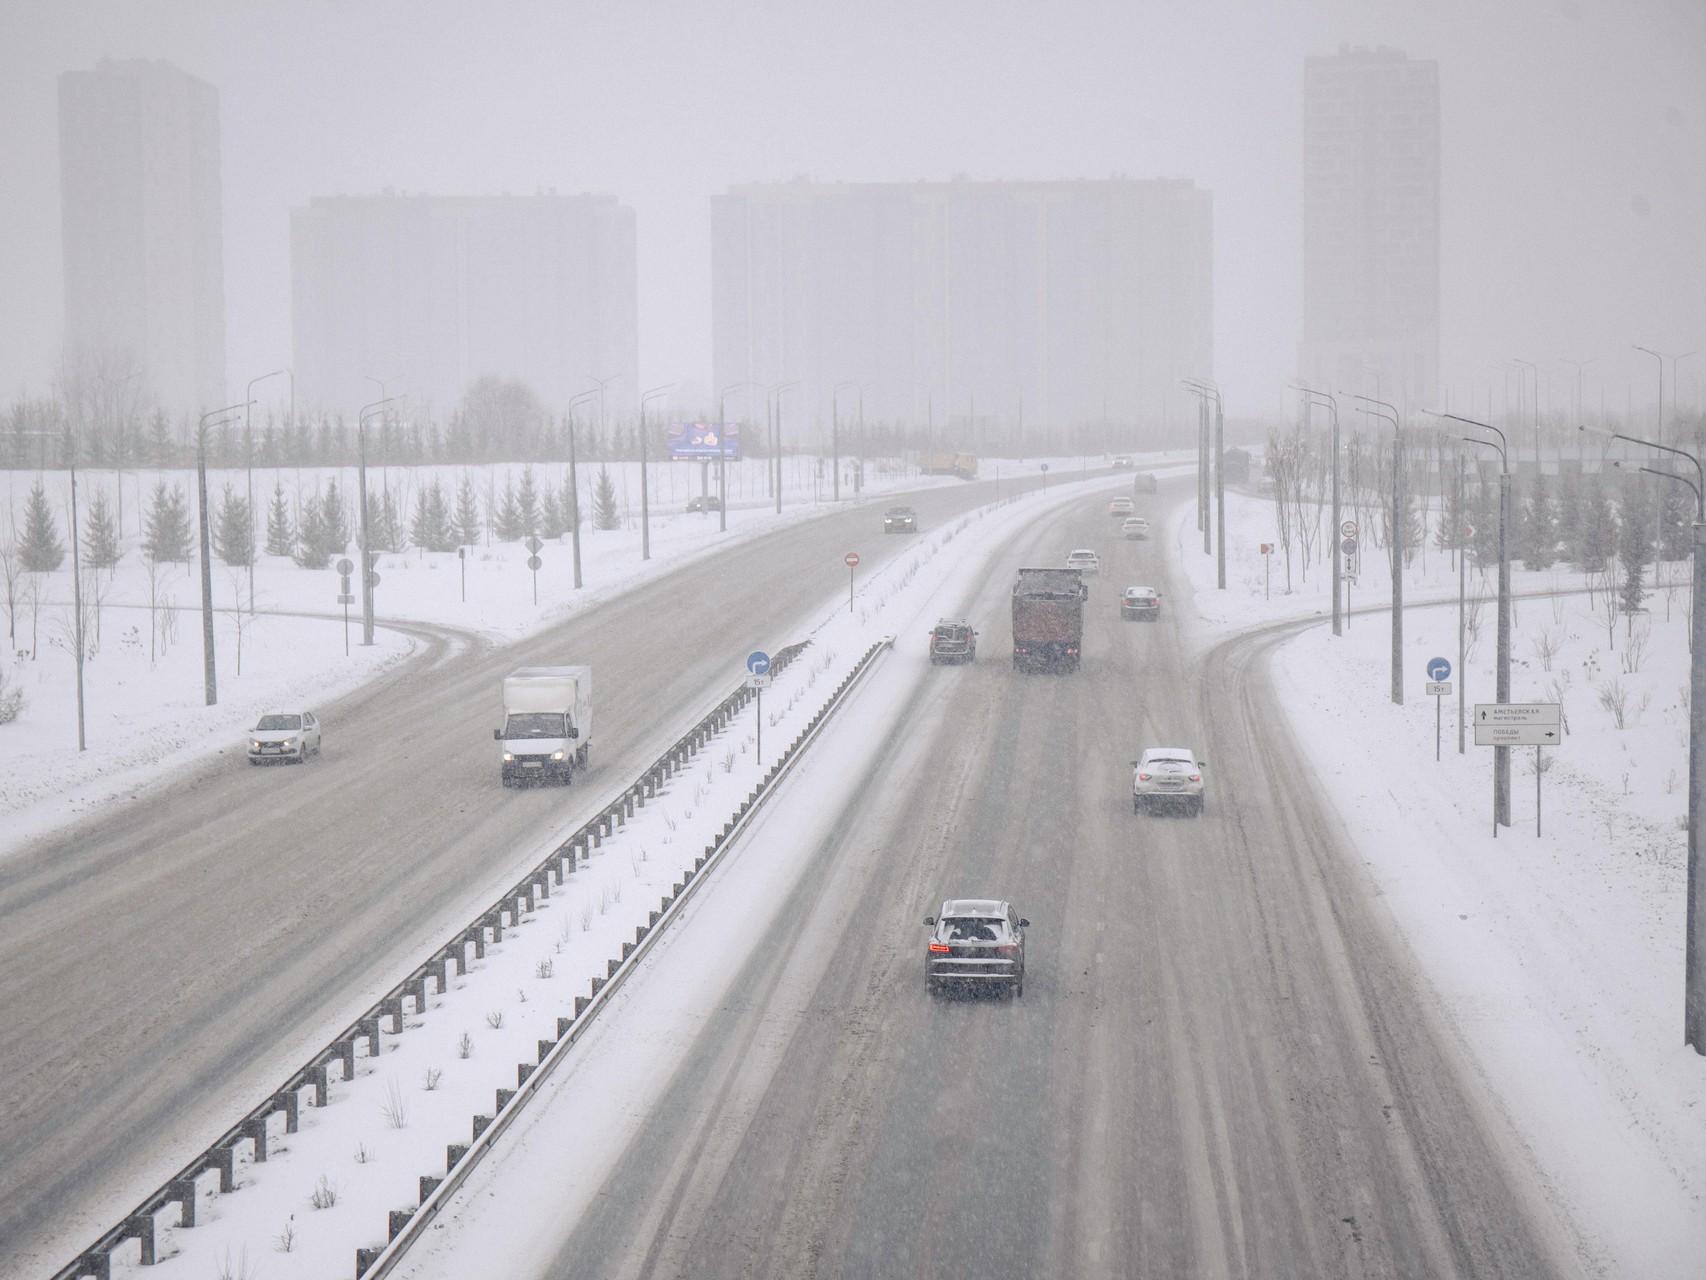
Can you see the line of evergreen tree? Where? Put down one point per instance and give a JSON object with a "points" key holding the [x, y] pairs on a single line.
{"points": [[467, 522], [604, 513], [432, 528], [233, 529], [102, 548], [166, 537], [281, 537], [40, 550]]}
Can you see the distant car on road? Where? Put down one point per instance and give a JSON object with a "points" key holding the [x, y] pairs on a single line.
{"points": [[284, 736], [1144, 482], [1084, 560], [1122, 461], [1119, 507], [1167, 776], [953, 642], [976, 944], [900, 520], [707, 502], [1134, 528], [1140, 604]]}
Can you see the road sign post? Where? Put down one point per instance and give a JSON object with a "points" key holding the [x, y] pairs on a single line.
{"points": [[346, 594], [851, 560], [1519, 724], [1348, 547], [1267, 571], [462, 562], [534, 546], [1439, 684], [758, 675]]}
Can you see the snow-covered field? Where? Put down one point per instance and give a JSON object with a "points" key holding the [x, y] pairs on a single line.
{"points": [[1556, 958], [327, 1188], [143, 686]]}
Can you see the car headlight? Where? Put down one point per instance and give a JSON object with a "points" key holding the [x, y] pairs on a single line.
{"points": [[255, 743], [556, 755], [508, 758]]}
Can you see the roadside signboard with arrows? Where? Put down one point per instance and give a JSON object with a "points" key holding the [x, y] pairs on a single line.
{"points": [[1517, 724]]}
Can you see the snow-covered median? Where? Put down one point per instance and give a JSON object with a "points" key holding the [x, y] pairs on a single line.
{"points": [[1558, 959]]}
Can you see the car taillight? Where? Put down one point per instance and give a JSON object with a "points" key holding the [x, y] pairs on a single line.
{"points": [[1007, 951], [1196, 777], [940, 948], [1143, 777]]}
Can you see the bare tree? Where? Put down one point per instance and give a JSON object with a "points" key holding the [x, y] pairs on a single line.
{"points": [[151, 568], [241, 622], [1546, 646], [10, 567]]}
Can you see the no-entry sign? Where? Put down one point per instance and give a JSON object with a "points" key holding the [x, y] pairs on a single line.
{"points": [[851, 559]]}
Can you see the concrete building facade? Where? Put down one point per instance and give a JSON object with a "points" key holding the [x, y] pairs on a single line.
{"points": [[1371, 225], [434, 292], [998, 306], [143, 240]]}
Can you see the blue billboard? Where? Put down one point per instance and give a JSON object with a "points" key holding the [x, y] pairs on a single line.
{"points": [[700, 440]]}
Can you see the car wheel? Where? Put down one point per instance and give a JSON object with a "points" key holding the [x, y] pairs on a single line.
{"points": [[1199, 807], [254, 762], [1136, 805], [1019, 988]]}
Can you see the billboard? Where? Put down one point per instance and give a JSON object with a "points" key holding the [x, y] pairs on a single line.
{"points": [[700, 439]]}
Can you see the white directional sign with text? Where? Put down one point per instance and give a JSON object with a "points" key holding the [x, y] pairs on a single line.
{"points": [[1517, 724]]}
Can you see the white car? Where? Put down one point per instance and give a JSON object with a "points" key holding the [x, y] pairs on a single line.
{"points": [[1167, 776], [1141, 604], [284, 735], [1119, 507], [1084, 560], [1135, 528]]}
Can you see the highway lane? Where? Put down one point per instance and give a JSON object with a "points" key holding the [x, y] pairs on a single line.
{"points": [[157, 963], [1222, 1064]]}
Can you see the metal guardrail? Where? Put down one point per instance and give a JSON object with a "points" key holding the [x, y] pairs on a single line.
{"points": [[221, 1156], [407, 1225]]}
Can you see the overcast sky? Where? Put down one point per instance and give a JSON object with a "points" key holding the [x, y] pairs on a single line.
{"points": [[1573, 143]]}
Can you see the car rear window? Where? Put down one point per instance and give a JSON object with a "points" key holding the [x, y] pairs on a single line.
{"points": [[973, 929]]}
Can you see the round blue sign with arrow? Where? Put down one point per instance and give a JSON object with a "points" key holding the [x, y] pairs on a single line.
{"points": [[758, 662], [1439, 669]]}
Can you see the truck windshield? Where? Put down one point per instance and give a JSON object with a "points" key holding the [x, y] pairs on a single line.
{"points": [[535, 724]]}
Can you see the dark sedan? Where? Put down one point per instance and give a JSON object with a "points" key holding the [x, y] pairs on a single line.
{"points": [[976, 944], [900, 520]]}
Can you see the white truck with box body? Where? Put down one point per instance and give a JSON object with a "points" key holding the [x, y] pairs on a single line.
{"points": [[547, 724]]}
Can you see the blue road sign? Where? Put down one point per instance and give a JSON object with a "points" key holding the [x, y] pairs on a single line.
{"points": [[758, 662], [1439, 669]]}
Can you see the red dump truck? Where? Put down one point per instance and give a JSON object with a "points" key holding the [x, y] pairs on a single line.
{"points": [[1048, 619]]}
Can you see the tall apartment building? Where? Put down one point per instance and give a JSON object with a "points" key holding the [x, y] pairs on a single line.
{"points": [[143, 240], [433, 292], [1051, 303], [1371, 225]]}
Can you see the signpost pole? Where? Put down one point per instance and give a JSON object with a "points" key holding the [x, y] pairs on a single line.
{"points": [[1267, 575], [1537, 751], [850, 572], [1436, 727], [346, 628], [761, 725]]}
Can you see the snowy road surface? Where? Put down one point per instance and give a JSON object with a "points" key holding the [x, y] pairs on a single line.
{"points": [[164, 965], [1221, 1065]]}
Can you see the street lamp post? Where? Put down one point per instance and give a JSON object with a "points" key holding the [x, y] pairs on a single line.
{"points": [[1502, 671], [1322, 397], [1206, 391], [367, 411], [249, 466], [210, 675], [835, 435], [1533, 407], [722, 455], [645, 493], [575, 485], [1694, 947], [1398, 521], [774, 393]]}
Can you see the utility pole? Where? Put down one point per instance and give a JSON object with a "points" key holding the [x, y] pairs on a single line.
{"points": [[1502, 670], [777, 390], [1462, 584], [645, 492], [249, 469], [1206, 391], [1321, 397], [77, 588], [574, 484], [210, 675], [1398, 521], [367, 571]]}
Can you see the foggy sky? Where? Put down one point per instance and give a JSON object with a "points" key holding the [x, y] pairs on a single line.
{"points": [[1573, 144]]}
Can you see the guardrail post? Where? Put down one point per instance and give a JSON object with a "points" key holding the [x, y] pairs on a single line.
{"points": [[391, 1007], [290, 1103], [399, 1218], [436, 970], [256, 1132], [504, 1096], [429, 1184], [97, 1265], [453, 1155], [545, 1046], [417, 991], [224, 1159], [365, 1258], [317, 1077], [183, 1191], [563, 1025], [481, 1124], [522, 1071], [142, 1227], [368, 1029]]}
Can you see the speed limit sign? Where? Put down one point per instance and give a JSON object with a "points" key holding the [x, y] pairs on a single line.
{"points": [[1348, 529]]}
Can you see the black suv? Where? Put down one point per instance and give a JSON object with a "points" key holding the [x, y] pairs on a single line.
{"points": [[953, 642], [976, 944], [900, 520]]}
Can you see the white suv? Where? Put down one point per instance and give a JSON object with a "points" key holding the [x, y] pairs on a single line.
{"points": [[1167, 776], [1084, 560]]}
